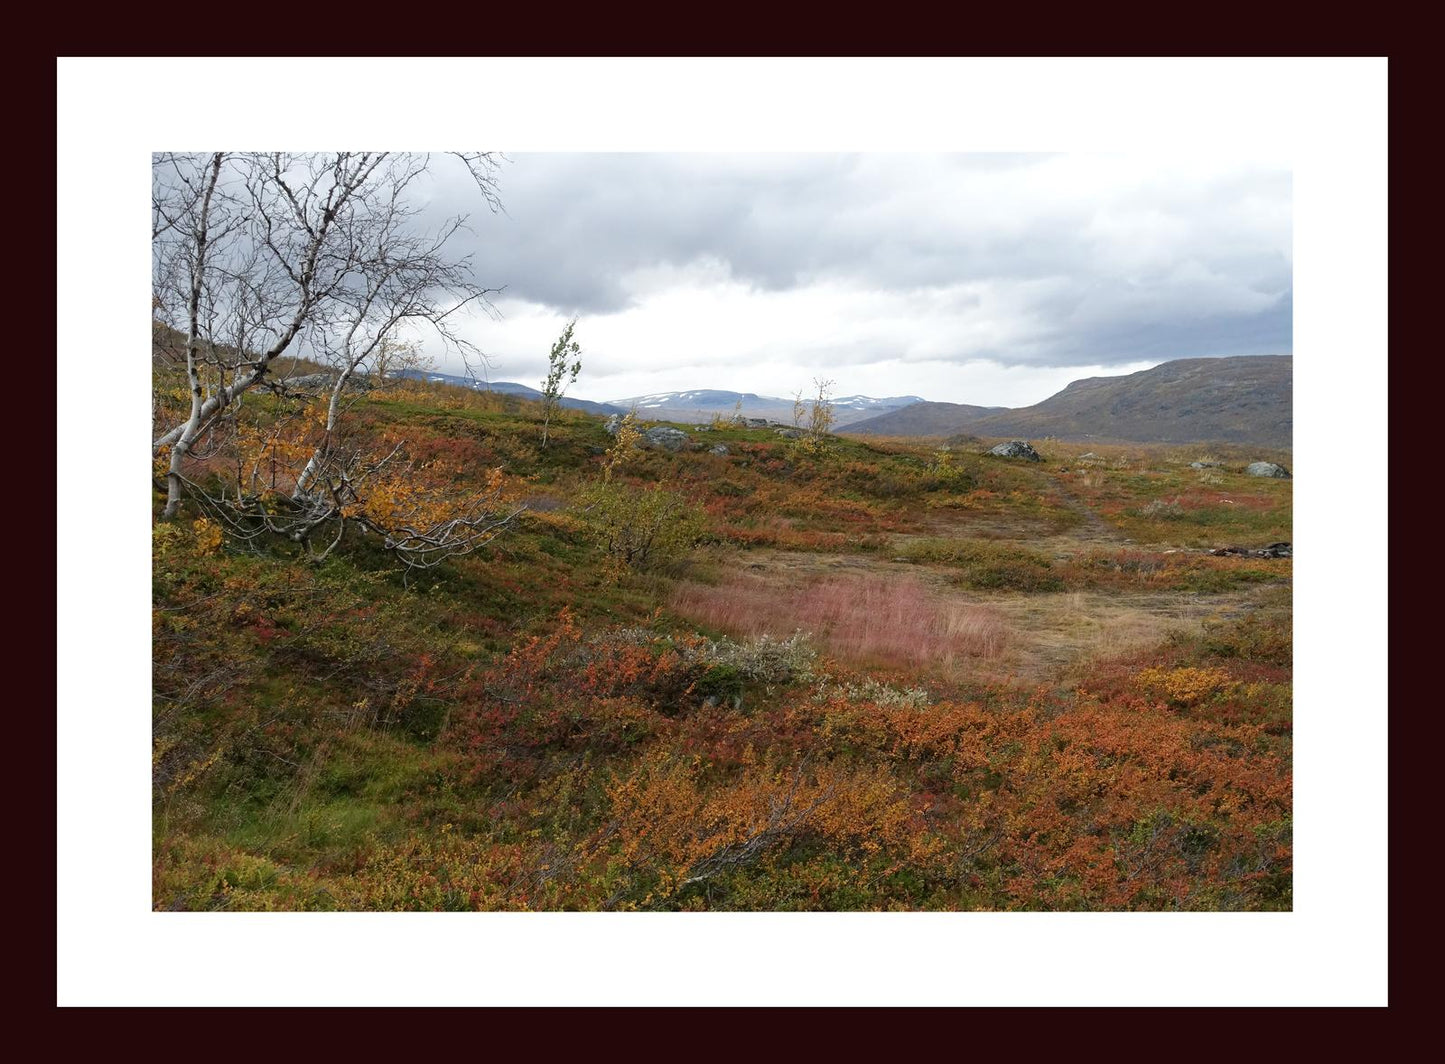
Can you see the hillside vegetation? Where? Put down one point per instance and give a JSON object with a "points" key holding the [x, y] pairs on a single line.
{"points": [[754, 673], [1244, 399]]}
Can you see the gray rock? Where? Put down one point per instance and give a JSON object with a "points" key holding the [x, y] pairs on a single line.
{"points": [[312, 383], [612, 424], [718, 448], [1206, 465], [310, 380], [665, 436], [1267, 469], [788, 433], [1274, 550], [1016, 449]]}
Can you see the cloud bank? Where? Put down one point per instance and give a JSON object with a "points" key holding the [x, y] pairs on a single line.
{"points": [[981, 278]]}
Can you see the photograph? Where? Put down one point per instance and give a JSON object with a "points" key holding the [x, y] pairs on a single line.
{"points": [[721, 532], [679, 531]]}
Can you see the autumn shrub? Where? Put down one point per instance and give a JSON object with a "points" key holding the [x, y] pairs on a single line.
{"points": [[1252, 638], [676, 830], [641, 528], [766, 659], [1185, 686]]}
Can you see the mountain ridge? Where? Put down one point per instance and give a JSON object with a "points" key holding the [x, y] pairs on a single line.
{"points": [[1235, 399], [703, 404], [509, 388]]}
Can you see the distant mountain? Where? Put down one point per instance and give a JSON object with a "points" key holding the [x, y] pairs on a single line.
{"points": [[510, 388], [1244, 399], [926, 419], [704, 404]]}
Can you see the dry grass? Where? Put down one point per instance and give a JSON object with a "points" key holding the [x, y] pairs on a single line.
{"points": [[869, 610], [867, 619], [1053, 633]]}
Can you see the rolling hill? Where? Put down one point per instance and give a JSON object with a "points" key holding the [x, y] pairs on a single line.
{"points": [[1244, 399], [511, 388]]}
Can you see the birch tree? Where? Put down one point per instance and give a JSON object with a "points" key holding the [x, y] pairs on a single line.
{"points": [[257, 255], [327, 257], [560, 374]]}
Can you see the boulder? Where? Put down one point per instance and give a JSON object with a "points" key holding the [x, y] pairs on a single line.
{"points": [[1016, 449], [665, 436], [1267, 469], [315, 383], [309, 381], [1274, 550], [718, 448], [788, 433], [1206, 465], [612, 424]]}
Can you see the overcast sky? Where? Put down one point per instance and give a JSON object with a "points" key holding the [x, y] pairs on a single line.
{"points": [[989, 279]]}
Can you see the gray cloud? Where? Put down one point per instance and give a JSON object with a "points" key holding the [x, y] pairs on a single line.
{"points": [[1071, 260]]}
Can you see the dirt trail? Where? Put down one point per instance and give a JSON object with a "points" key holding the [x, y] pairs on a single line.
{"points": [[1093, 530]]}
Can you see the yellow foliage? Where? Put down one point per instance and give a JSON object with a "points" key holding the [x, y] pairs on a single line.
{"points": [[208, 535], [1185, 686], [628, 435], [164, 536]]}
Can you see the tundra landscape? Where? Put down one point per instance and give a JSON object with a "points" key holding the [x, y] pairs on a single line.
{"points": [[427, 641]]}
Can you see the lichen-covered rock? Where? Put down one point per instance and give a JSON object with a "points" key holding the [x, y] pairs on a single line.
{"points": [[1267, 469], [718, 448], [665, 436], [317, 382], [789, 433], [1205, 465], [612, 424], [1016, 449]]}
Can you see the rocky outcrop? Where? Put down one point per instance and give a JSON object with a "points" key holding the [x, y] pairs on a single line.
{"points": [[1274, 550], [1267, 469], [1016, 449], [315, 383], [666, 437]]}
